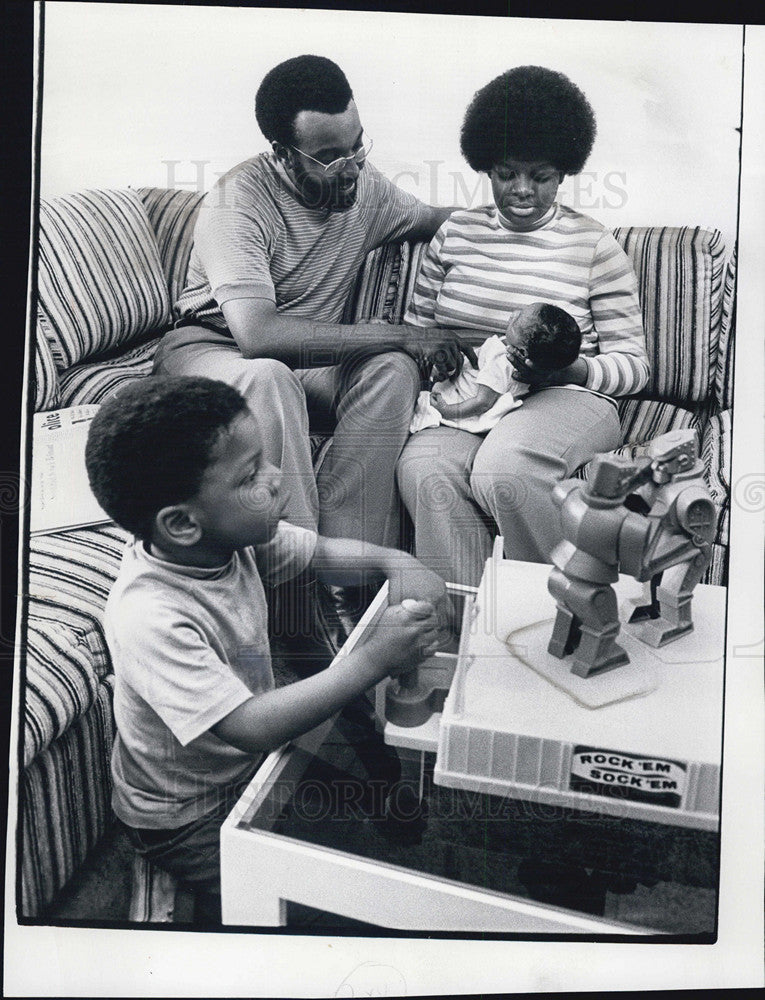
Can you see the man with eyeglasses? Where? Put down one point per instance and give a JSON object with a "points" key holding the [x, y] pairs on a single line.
{"points": [[278, 243]]}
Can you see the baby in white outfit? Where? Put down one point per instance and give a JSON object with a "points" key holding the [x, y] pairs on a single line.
{"points": [[477, 398]]}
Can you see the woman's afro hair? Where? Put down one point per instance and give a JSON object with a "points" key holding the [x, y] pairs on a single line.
{"points": [[304, 83], [530, 114]]}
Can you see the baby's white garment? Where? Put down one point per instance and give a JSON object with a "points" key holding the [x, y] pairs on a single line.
{"points": [[494, 369]]}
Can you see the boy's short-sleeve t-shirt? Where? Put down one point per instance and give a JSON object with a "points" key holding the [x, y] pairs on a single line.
{"points": [[189, 645]]}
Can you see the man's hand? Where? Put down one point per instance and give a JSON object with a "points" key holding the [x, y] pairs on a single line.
{"points": [[438, 348]]}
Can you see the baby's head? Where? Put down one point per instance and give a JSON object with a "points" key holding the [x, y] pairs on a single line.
{"points": [[178, 462], [545, 335]]}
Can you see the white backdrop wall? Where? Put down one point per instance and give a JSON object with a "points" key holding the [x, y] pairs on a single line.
{"points": [[140, 94]]}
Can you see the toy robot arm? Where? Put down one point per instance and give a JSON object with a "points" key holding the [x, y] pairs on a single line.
{"points": [[696, 515], [634, 543], [687, 529]]}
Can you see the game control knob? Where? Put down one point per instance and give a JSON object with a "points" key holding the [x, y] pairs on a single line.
{"points": [[407, 702]]}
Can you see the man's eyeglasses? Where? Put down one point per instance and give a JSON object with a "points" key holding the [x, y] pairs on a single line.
{"points": [[336, 166]]}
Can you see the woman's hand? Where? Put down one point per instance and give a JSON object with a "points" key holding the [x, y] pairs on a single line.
{"points": [[541, 378]]}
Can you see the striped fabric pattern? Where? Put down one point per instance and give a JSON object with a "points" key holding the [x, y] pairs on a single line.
{"points": [[644, 419], [60, 684], [155, 896], [95, 381], [716, 454], [46, 388], [172, 214], [70, 576], [416, 258], [65, 806], [475, 273], [725, 355], [637, 448], [100, 279], [375, 292], [716, 572], [679, 272]]}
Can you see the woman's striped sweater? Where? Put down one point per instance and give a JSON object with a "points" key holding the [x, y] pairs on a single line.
{"points": [[477, 272]]}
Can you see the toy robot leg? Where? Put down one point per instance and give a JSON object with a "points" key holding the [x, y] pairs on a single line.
{"points": [[586, 625], [674, 595]]}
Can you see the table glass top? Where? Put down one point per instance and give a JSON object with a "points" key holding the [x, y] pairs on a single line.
{"points": [[648, 875]]}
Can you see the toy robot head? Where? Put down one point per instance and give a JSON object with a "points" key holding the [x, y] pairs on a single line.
{"points": [[673, 453]]}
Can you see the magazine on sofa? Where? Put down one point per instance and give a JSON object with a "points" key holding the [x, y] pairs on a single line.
{"points": [[61, 497]]}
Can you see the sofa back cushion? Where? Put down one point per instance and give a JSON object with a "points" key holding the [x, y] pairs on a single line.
{"points": [[173, 215], [100, 280], [679, 273]]}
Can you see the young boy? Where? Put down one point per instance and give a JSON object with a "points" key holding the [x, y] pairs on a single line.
{"points": [[475, 400], [178, 462]]}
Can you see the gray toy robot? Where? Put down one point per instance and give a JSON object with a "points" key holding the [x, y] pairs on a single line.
{"points": [[667, 541]]}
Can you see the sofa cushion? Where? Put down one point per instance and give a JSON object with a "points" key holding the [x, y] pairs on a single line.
{"points": [[385, 283], [173, 215], [100, 280], [679, 274], [70, 575], [65, 797], [725, 353], [60, 684], [95, 381], [379, 284], [644, 419], [46, 389]]}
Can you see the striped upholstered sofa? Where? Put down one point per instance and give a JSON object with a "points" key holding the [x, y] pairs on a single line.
{"points": [[111, 263]]}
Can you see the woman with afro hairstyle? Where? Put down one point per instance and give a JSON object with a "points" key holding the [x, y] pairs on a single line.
{"points": [[526, 129]]}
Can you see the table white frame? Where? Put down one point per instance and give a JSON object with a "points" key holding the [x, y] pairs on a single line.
{"points": [[261, 871]]}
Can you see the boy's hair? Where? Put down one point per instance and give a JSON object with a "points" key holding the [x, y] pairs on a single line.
{"points": [[305, 83], [556, 339], [531, 114], [148, 446]]}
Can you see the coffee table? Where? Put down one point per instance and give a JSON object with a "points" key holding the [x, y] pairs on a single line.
{"points": [[274, 851]]}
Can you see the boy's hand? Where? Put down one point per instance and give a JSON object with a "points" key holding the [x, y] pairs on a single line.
{"points": [[413, 581], [404, 636]]}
